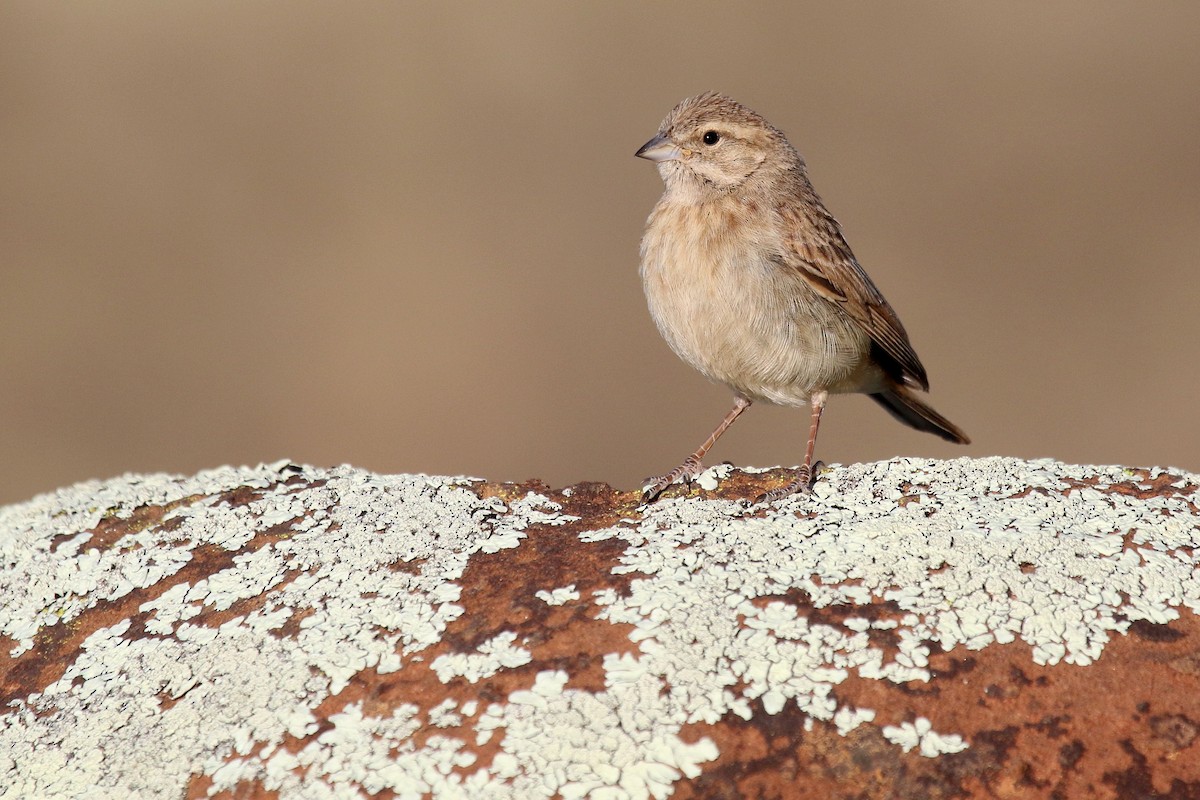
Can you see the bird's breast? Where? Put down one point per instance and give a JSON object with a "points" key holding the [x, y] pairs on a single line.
{"points": [[728, 309]]}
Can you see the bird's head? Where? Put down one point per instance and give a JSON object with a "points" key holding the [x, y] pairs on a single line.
{"points": [[713, 142]]}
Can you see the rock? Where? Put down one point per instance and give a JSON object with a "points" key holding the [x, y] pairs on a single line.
{"points": [[914, 629]]}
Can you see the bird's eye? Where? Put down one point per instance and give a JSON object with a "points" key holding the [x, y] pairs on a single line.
{"points": [[711, 138]]}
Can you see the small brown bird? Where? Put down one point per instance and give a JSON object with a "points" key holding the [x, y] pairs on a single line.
{"points": [[750, 281]]}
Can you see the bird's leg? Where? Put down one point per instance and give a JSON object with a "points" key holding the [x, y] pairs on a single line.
{"points": [[804, 477], [691, 466]]}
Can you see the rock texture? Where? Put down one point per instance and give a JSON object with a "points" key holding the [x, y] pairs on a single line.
{"points": [[914, 629]]}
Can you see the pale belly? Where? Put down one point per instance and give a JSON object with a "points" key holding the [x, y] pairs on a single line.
{"points": [[751, 324]]}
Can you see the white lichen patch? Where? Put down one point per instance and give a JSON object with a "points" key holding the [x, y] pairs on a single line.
{"points": [[365, 575], [591, 742], [711, 478], [987, 567], [920, 734], [847, 719], [559, 596], [184, 699], [495, 654]]}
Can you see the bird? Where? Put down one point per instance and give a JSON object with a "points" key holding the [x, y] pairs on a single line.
{"points": [[749, 279]]}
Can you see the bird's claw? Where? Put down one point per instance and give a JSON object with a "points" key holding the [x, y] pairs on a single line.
{"points": [[684, 473], [802, 484]]}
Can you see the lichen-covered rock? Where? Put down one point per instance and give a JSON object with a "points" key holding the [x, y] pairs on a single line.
{"points": [[970, 628]]}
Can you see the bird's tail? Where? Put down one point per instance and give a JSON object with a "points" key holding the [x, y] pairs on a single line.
{"points": [[904, 406]]}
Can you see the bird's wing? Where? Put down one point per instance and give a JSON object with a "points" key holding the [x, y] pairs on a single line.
{"points": [[817, 250]]}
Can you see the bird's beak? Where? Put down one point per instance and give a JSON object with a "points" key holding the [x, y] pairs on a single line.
{"points": [[659, 149]]}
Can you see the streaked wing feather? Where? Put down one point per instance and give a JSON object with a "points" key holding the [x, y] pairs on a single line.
{"points": [[819, 252]]}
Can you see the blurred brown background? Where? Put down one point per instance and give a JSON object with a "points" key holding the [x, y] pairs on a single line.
{"points": [[405, 236]]}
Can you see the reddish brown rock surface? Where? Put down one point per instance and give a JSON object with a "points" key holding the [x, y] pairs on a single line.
{"points": [[915, 629]]}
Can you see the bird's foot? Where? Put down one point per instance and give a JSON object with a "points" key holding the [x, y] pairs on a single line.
{"points": [[803, 484], [684, 473]]}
